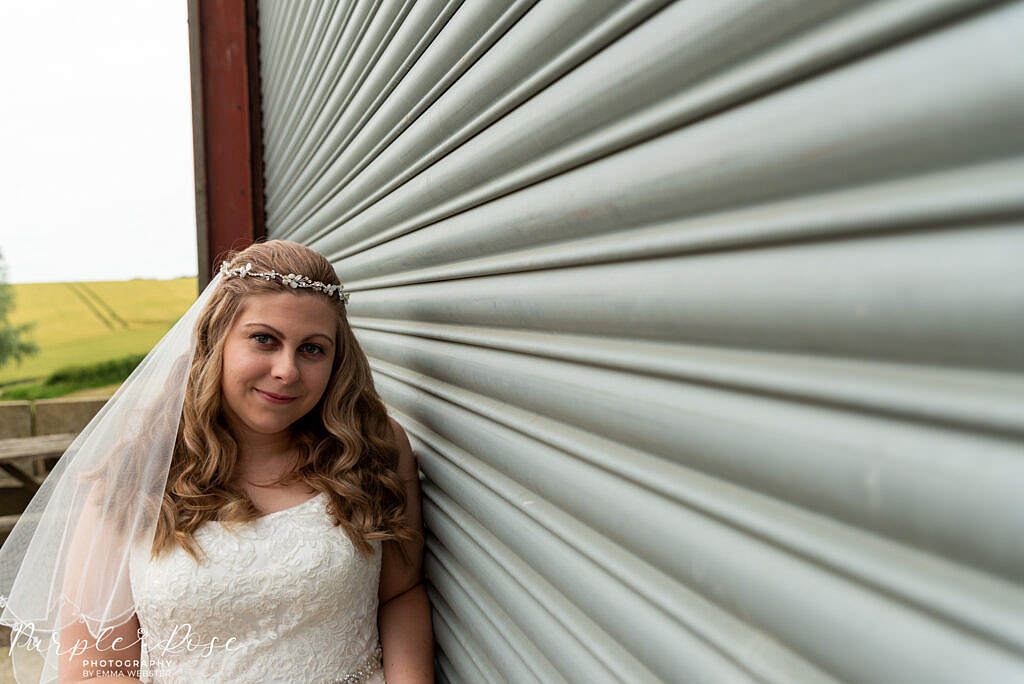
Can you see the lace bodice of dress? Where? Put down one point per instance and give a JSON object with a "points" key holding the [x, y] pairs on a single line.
{"points": [[292, 590]]}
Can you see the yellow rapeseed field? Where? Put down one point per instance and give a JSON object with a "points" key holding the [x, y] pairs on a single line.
{"points": [[88, 322]]}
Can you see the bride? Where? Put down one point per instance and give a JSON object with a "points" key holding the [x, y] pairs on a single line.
{"points": [[243, 509]]}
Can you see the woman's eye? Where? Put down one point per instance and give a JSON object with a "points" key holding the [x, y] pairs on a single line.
{"points": [[263, 340]]}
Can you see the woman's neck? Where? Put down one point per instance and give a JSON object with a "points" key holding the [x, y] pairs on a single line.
{"points": [[266, 459]]}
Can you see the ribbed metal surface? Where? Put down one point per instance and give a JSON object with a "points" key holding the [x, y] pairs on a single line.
{"points": [[704, 318]]}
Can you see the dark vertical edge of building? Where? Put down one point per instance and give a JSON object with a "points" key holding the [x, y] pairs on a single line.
{"points": [[198, 142], [252, 33]]}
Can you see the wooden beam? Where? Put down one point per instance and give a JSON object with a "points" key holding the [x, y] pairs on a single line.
{"points": [[227, 128], [38, 447], [35, 448], [27, 481], [7, 523]]}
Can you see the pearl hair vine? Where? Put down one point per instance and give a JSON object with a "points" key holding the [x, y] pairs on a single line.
{"points": [[290, 279]]}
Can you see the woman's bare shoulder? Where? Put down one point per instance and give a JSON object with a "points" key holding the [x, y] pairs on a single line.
{"points": [[400, 437], [407, 465]]}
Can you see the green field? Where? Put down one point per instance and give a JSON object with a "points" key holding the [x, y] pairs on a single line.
{"points": [[88, 322]]}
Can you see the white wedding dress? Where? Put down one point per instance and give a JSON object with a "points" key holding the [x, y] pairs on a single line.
{"points": [[291, 590]]}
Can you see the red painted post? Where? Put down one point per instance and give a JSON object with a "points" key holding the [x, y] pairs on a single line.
{"points": [[226, 125]]}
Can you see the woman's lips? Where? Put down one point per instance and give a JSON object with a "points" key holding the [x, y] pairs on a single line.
{"points": [[275, 398]]}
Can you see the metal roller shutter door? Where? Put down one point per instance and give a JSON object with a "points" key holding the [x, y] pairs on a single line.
{"points": [[704, 318]]}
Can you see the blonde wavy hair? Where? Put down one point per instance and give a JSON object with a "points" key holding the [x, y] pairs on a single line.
{"points": [[346, 446]]}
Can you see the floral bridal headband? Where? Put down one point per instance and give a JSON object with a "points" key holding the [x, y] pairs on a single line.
{"points": [[290, 279]]}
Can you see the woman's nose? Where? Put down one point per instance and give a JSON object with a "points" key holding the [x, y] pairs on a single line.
{"points": [[285, 368]]}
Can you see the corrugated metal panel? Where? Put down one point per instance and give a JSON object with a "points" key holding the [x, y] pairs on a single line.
{"points": [[704, 318]]}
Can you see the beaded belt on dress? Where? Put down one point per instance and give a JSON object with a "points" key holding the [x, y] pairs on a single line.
{"points": [[371, 665]]}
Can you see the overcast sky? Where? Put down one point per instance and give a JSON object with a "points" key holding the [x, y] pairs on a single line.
{"points": [[96, 177]]}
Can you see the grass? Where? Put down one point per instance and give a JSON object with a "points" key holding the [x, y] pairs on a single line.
{"points": [[75, 378], [87, 324], [104, 392]]}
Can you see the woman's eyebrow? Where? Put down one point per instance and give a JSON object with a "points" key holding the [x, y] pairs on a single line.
{"points": [[280, 334]]}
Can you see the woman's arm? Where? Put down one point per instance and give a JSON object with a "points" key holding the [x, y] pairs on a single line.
{"points": [[122, 644], [403, 615]]}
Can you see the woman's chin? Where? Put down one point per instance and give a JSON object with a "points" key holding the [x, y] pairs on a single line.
{"points": [[268, 427]]}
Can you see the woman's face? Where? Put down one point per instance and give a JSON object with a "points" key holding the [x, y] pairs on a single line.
{"points": [[277, 362]]}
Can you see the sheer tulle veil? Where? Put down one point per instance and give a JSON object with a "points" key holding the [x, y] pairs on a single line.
{"points": [[67, 559]]}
